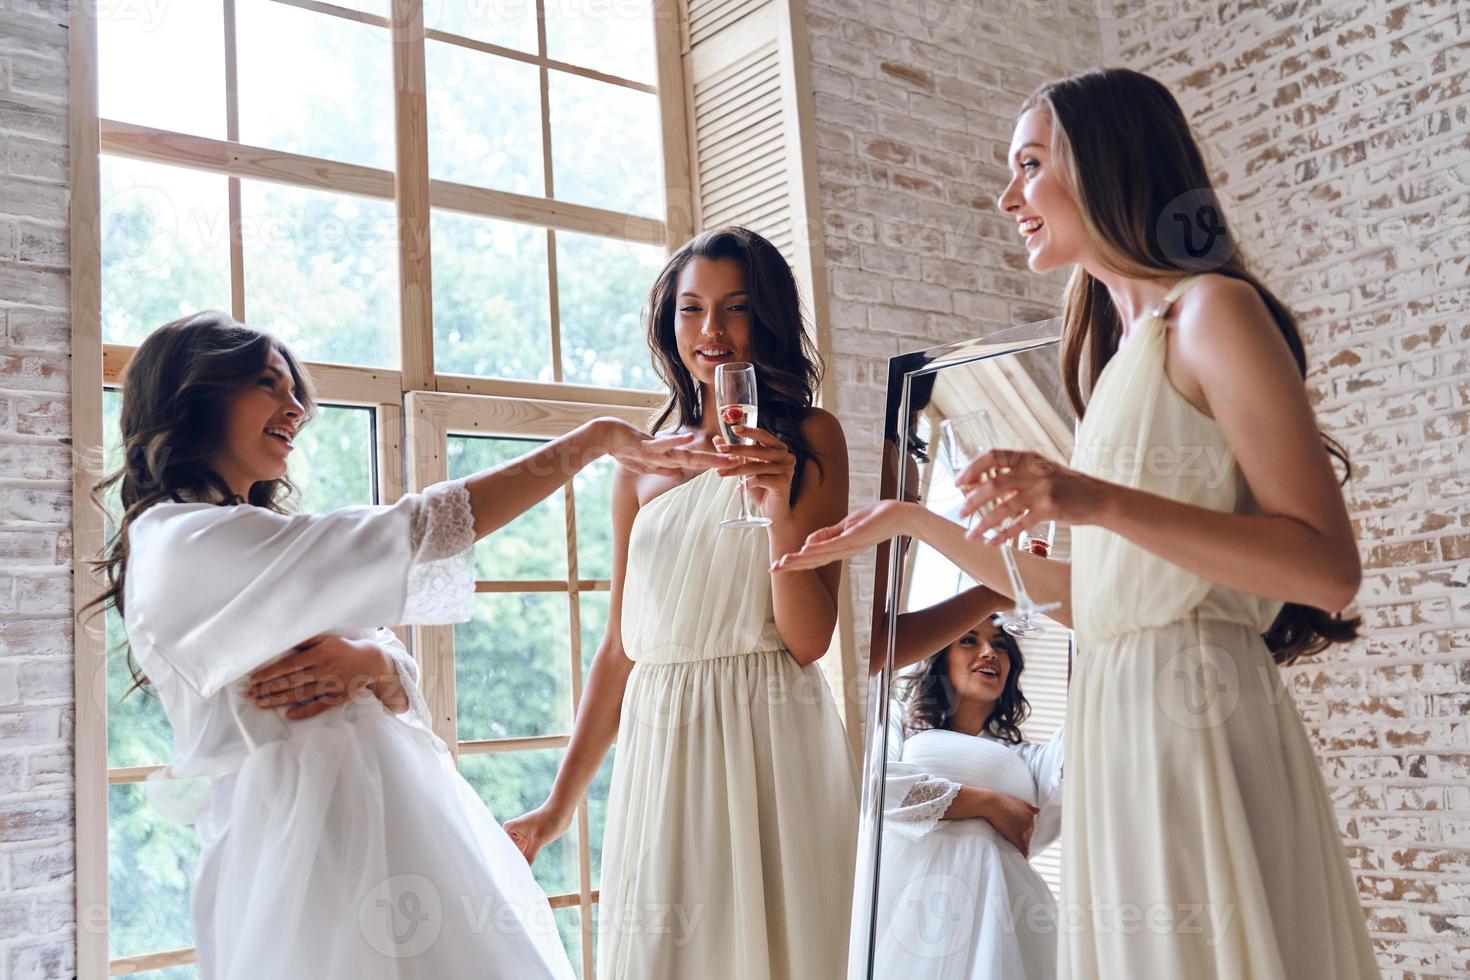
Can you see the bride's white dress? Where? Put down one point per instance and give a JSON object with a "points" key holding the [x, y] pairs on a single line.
{"points": [[956, 900], [732, 817], [344, 846]]}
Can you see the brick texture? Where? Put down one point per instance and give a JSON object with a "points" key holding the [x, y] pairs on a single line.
{"points": [[914, 107], [37, 867], [1337, 133]]}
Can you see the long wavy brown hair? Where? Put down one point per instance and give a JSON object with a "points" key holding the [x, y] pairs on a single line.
{"points": [[1122, 146], [175, 393], [788, 368], [929, 701]]}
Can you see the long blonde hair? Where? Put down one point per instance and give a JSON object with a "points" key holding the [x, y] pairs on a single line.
{"points": [[1123, 147]]}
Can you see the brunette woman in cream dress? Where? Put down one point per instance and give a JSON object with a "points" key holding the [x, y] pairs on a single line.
{"points": [[732, 818], [1210, 539]]}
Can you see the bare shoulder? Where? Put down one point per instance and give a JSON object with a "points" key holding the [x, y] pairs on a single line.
{"points": [[823, 431], [1221, 316]]}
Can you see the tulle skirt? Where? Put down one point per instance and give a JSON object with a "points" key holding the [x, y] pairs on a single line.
{"points": [[961, 903], [1198, 839], [354, 850], [732, 823]]}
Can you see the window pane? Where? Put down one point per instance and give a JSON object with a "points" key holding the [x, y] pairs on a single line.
{"points": [[592, 489], [492, 314], [602, 285], [333, 462], [594, 609], [321, 272], [315, 84], [507, 23], [165, 246], [569, 925], [149, 860], [605, 145], [511, 783], [512, 667], [144, 50], [138, 732], [534, 545], [484, 119], [616, 37]]}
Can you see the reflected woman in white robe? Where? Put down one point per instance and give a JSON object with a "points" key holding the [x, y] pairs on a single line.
{"points": [[337, 839], [965, 806]]}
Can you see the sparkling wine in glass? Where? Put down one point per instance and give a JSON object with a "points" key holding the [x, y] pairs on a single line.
{"points": [[736, 403], [1038, 539], [965, 438]]}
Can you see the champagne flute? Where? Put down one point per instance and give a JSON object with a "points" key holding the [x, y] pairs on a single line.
{"points": [[736, 403], [1038, 539], [965, 438]]}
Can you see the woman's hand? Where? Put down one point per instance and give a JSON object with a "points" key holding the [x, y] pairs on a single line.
{"points": [[671, 455], [768, 469], [864, 528], [1027, 488], [322, 673], [1015, 819], [534, 830]]}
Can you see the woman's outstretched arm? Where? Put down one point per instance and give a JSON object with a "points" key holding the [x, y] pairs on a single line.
{"points": [[502, 493]]}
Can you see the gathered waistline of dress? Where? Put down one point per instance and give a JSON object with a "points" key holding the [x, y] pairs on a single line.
{"points": [[674, 654], [1191, 619]]}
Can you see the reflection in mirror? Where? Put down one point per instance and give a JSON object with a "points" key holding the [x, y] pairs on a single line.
{"points": [[962, 774]]}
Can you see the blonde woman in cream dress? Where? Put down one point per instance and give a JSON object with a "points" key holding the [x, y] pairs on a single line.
{"points": [[732, 819], [1209, 540]]}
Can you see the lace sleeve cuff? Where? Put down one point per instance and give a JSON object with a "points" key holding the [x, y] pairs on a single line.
{"points": [[922, 808], [441, 580]]}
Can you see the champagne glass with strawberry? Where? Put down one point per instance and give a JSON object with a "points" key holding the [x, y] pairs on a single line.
{"points": [[736, 401]]}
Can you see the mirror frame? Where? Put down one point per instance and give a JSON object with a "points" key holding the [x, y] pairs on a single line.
{"points": [[902, 369]]}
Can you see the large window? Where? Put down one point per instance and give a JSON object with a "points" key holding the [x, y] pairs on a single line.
{"points": [[452, 210]]}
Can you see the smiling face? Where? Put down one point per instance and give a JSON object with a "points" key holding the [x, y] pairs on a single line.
{"points": [[261, 422], [979, 665], [1046, 214], [712, 319]]}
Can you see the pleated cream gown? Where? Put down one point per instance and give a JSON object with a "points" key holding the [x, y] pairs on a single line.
{"points": [[732, 818], [1198, 839]]}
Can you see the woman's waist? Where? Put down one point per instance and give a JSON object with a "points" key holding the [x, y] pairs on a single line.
{"points": [[665, 654], [1094, 636]]}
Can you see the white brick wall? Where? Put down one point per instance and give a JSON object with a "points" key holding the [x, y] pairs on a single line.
{"points": [[36, 853], [915, 103], [1337, 130]]}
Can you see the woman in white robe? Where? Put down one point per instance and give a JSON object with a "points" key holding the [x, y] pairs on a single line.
{"points": [[965, 806], [344, 845]]}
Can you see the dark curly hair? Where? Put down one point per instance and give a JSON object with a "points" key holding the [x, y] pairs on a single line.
{"points": [[173, 418], [929, 701]]}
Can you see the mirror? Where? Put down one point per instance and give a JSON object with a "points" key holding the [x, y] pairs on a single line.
{"points": [[939, 894]]}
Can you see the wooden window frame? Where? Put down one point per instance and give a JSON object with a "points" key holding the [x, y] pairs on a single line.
{"points": [[414, 406]]}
